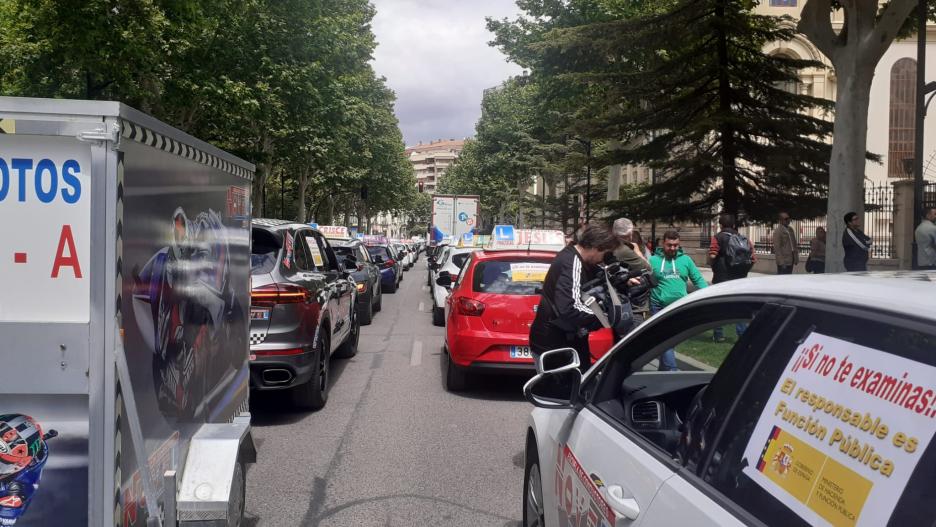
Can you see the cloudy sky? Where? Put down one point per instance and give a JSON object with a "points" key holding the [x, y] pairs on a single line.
{"points": [[435, 56]]}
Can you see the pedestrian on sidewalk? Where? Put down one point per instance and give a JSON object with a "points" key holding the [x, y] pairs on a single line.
{"points": [[673, 271], [639, 241], [632, 255], [925, 236], [785, 247], [731, 256], [856, 243], [815, 263]]}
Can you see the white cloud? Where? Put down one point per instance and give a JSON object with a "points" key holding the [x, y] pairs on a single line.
{"points": [[435, 56]]}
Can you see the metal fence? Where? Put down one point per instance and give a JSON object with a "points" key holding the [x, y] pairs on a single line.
{"points": [[929, 194], [878, 224]]}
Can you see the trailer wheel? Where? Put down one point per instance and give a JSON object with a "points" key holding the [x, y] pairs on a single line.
{"points": [[238, 496]]}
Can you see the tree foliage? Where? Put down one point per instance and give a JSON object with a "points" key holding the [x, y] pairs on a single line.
{"points": [[707, 110], [285, 84]]}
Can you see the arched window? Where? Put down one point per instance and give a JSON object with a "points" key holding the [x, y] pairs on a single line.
{"points": [[794, 86], [902, 118]]}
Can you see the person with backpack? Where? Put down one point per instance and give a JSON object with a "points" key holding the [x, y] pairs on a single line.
{"points": [[731, 256]]}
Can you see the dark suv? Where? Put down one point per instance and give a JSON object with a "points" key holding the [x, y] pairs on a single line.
{"points": [[301, 310], [366, 275]]}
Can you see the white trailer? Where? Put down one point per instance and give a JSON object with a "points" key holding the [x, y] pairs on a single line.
{"points": [[453, 216], [124, 305]]}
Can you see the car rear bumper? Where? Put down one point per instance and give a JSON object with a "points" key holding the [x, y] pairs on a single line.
{"points": [[487, 351], [500, 368], [388, 277], [280, 372]]}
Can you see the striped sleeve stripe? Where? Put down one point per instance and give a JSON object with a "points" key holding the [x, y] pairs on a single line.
{"points": [[577, 287]]}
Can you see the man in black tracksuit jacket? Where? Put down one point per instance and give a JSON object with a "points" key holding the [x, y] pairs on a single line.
{"points": [[562, 319]]}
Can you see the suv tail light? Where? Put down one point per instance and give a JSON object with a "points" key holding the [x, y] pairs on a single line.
{"points": [[279, 294], [469, 307], [361, 287], [389, 263]]}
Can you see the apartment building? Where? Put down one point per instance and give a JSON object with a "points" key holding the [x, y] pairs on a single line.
{"points": [[431, 160]]}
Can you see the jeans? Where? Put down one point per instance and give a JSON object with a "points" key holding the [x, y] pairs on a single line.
{"points": [[784, 269], [668, 359], [719, 332]]}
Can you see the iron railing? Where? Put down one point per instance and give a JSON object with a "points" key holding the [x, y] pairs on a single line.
{"points": [[878, 224], [929, 194]]}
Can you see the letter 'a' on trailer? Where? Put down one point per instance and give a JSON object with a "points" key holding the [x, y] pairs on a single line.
{"points": [[124, 302]]}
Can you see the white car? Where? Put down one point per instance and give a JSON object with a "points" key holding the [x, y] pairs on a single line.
{"points": [[409, 257], [822, 413], [452, 261]]}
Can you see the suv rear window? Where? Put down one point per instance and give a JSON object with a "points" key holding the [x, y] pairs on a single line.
{"points": [[376, 250], [263, 251], [509, 277]]}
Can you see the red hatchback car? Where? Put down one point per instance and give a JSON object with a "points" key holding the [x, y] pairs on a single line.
{"points": [[489, 312]]}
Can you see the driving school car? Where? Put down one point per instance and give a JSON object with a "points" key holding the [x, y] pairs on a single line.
{"points": [[821, 413], [489, 312]]}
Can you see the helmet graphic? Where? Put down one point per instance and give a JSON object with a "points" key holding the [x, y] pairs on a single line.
{"points": [[20, 442]]}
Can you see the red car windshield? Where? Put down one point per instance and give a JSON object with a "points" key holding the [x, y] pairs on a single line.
{"points": [[520, 276]]}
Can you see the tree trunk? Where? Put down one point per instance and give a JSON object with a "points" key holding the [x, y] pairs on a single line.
{"points": [[847, 167], [301, 200], [264, 169], [729, 154]]}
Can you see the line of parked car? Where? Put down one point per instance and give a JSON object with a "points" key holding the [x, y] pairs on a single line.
{"points": [[310, 293]]}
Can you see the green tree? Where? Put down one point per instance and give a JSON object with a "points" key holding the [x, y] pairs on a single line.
{"points": [[868, 31], [707, 110]]}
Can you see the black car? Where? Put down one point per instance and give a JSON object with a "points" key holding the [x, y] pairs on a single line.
{"points": [[366, 275], [301, 310]]}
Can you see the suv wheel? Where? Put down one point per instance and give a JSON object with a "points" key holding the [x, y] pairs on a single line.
{"points": [[314, 394], [453, 377], [534, 513], [366, 311], [378, 305], [392, 287], [349, 347]]}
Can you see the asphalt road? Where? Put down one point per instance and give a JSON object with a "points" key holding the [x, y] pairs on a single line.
{"points": [[392, 447]]}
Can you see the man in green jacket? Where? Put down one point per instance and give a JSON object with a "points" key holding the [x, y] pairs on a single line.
{"points": [[673, 270]]}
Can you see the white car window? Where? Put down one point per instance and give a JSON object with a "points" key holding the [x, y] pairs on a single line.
{"points": [[829, 428], [632, 392]]}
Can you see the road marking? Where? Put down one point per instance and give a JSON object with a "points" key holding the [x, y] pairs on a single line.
{"points": [[416, 357], [422, 307]]}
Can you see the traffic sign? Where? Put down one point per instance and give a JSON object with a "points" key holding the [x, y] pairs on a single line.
{"points": [[503, 233]]}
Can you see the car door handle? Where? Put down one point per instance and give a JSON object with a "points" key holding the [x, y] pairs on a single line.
{"points": [[624, 506]]}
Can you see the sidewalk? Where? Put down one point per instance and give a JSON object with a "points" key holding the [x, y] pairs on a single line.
{"points": [[707, 273]]}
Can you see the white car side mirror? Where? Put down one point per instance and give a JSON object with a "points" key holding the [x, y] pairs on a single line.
{"points": [[557, 380]]}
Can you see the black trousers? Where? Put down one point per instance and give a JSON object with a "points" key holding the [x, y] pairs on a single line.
{"points": [[784, 269]]}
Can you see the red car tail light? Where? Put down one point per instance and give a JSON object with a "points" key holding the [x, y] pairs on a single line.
{"points": [[469, 307], [279, 294]]}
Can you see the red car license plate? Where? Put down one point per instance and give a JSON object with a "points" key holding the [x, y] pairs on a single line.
{"points": [[520, 352]]}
